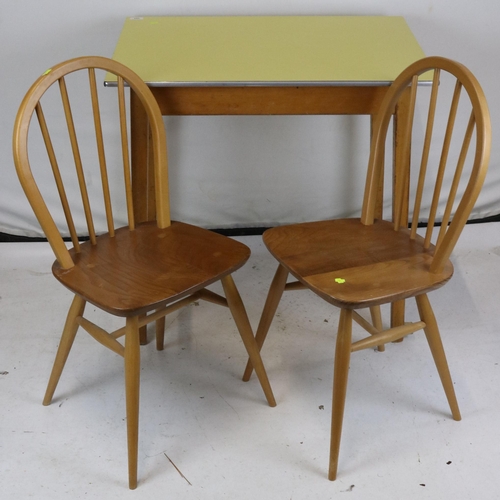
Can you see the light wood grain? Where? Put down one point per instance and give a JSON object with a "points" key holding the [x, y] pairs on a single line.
{"points": [[340, 376], [67, 338], [138, 271], [436, 346], [273, 298], [132, 381]]}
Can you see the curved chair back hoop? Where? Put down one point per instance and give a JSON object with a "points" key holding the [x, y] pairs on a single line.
{"points": [[452, 220], [31, 106]]}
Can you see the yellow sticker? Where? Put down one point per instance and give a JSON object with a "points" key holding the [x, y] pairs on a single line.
{"points": [[339, 280], [47, 72]]}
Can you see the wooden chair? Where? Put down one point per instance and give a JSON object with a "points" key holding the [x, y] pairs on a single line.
{"points": [[367, 262], [141, 271]]}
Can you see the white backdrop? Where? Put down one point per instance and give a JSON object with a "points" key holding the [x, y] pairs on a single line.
{"points": [[242, 171]]}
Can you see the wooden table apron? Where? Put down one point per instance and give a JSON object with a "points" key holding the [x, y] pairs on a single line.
{"points": [[251, 100]]}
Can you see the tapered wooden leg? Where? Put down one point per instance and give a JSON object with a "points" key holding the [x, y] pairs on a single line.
{"points": [[143, 335], [340, 376], [436, 345], [160, 333], [243, 324], [68, 336], [132, 376], [143, 179], [377, 323], [273, 299], [398, 315]]}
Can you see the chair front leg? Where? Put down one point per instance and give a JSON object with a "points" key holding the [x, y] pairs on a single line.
{"points": [[132, 378], [436, 345], [340, 376], [68, 336], [273, 299], [243, 324]]}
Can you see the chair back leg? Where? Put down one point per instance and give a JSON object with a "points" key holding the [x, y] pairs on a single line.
{"points": [[436, 345], [160, 333], [376, 316], [398, 309], [273, 299], [243, 324]]}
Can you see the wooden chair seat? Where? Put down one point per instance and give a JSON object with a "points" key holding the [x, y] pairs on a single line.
{"points": [[137, 271], [355, 266]]}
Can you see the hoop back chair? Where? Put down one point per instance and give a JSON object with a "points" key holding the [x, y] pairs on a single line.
{"points": [[366, 262], [140, 272]]}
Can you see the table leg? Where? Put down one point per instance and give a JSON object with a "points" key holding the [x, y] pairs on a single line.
{"points": [[142, 178], [143, 188], [401, 159], [379, 205]]}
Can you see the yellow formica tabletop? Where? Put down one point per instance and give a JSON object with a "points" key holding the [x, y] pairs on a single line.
{"points": [[267, 50]]}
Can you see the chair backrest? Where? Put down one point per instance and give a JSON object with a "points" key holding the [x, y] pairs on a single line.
{"points": [[446, 141], [58, 134]]}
